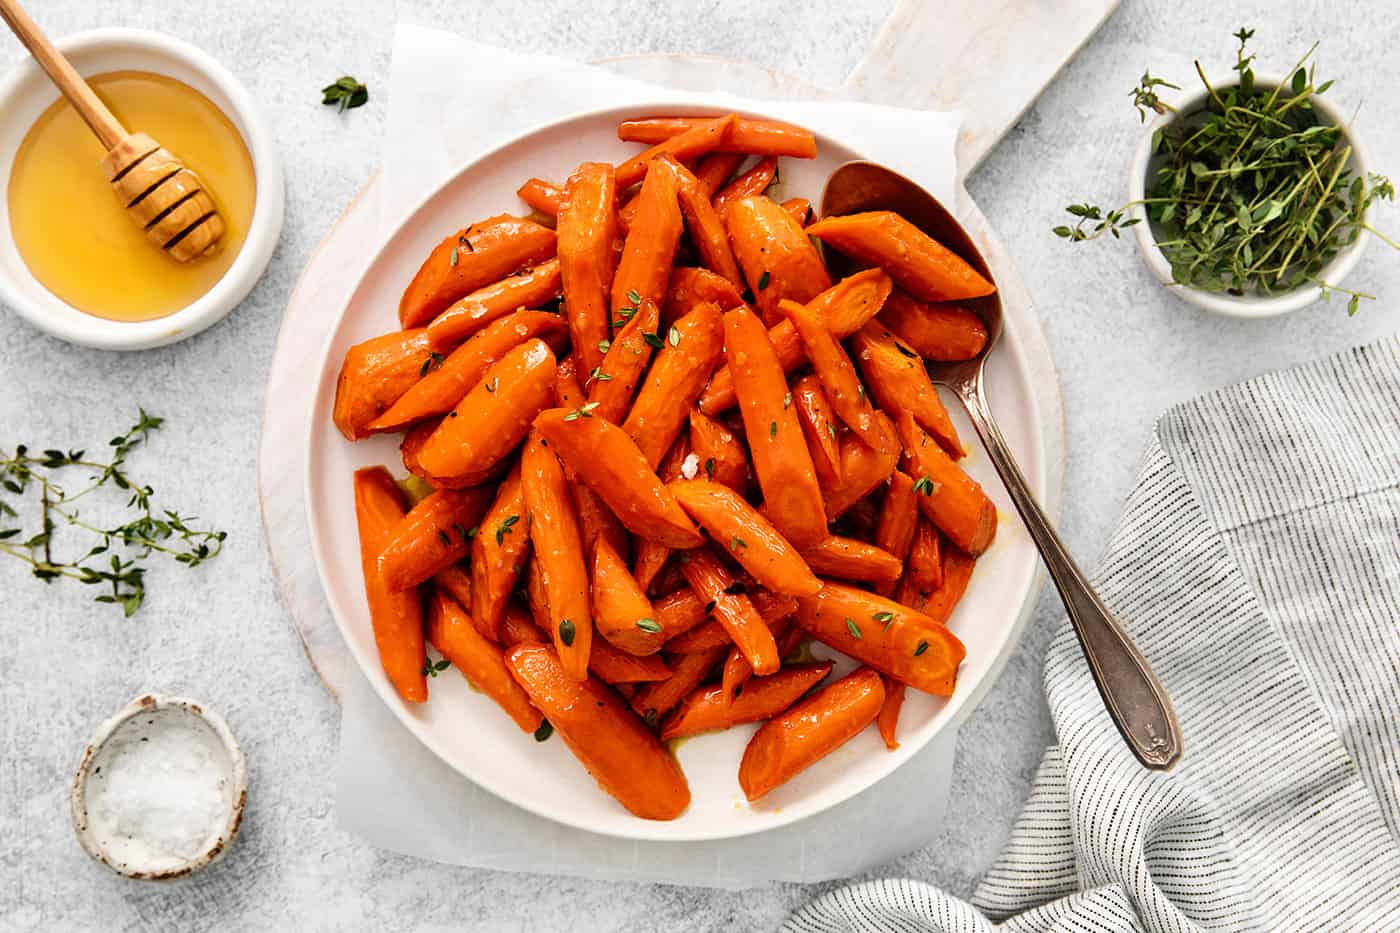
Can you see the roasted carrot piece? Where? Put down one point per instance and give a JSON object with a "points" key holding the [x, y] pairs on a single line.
{"points": [[809, 731], [622, 754], [680, 611], [605, 458], [944, 332], [707, 230], [587, 228], [480, 661], [714, 170], [625, 358], [396, 617], [853, 559], [944, 598], [713, 582], [622, 613], [449, 379], [538, 600], [533, 288], [919, 264], [925, 566], [818, 420], [950, 498], [374, 375], [780, 458], [899, 382], [895, 640], [689, 353], [799, 209], [772, 608], [719, 455], [456, 581], [614, 666], [863, 468], [493, 417], [777, 258], [836, 372], [435, 534], [899, 518], [691, 286], [737, 671], [517, 627], [542, 196], [888, 720], [844, 308], [651, 555], [478, 255], [705, 135], [654, 700], [644, 271], [749, 537], [558, 545], [499, 552], [595, 519], [709, 708], [747, 136], [752, 183]]}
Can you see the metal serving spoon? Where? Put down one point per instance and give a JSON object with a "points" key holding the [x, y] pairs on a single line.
{"points": [[1135, 698]]}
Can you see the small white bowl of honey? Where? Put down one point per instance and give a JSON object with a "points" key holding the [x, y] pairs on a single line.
{"points": [[72, 263]]}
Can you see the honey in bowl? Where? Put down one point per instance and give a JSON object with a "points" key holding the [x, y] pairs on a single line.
{"points": [[74, 236]]}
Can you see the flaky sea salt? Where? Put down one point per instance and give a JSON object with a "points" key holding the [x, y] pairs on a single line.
{"points": [[690, 466]]}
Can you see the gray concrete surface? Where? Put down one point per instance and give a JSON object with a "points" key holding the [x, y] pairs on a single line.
{"points": [[1125, 348]]}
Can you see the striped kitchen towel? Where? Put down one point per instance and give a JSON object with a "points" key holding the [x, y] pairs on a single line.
{"points": [[1258, 566]]}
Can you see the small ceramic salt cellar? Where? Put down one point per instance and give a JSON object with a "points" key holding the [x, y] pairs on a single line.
{"points": [[161, 789]]}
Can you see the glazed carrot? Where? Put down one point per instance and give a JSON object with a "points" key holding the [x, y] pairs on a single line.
{"points": [[714, 170], [944, 332], [779, 452], [777, 258], [651, 555], [517, 627], [456, 639], [622, 613], [396, 617], [595, 519], [750, 184], [456, 581], [499, 552], [710, 708], [625, 359], [654, 700], [899, 382], [908, 646], [668, 579], [862, 517], [704, 135], [920, 265], [863, 468], [613, 666], [621, 753], [844, 308], [950, 498], [434, 535], [747, 136], [943, 599], [587, 228], [644, 271], [899, 519], [690, 351], [888, 720], [749, 537], [374, 375], [542, 196], [702, 221], [493, 417], [681, 611], [853, 559], [799, 209], [449, 379], [809, 731], [836, 372], [478, 255], [925, 566], [691, 286], [737, 671], [607, 460], [713, 583], [719, 455], [533, 288], [772, 608], [558, 545], [818, 426], [538, 600]]}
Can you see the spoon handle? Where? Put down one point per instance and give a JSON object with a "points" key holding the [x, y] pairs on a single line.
{"points": [[1136, 700]]}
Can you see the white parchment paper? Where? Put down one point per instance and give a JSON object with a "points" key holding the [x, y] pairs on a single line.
{"points": [[451, 100]]}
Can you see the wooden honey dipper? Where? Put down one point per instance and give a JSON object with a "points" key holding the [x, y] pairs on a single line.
{"points": [[160, 194]]}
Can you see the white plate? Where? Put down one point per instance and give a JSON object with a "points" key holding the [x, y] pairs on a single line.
{"points": [[464, 728]]}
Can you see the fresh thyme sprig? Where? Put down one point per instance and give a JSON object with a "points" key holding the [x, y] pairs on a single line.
{"points": [[1251, 194], [346, 92], [150, 531]]}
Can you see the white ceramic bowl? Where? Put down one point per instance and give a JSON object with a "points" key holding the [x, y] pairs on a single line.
{"points": [[1245, 306], [144, 718], [26, 93]]}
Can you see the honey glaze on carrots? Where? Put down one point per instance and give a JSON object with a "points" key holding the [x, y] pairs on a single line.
{"points": [[75, 237]]}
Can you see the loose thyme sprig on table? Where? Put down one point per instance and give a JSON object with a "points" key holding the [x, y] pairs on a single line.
{"points": [[1252, 193], [150, 530]]}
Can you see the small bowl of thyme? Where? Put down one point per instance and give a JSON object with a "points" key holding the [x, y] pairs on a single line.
{"points": [[1255, 191]]}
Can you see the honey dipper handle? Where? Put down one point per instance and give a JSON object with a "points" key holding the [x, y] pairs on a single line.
{"points": [[63, 74]]}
